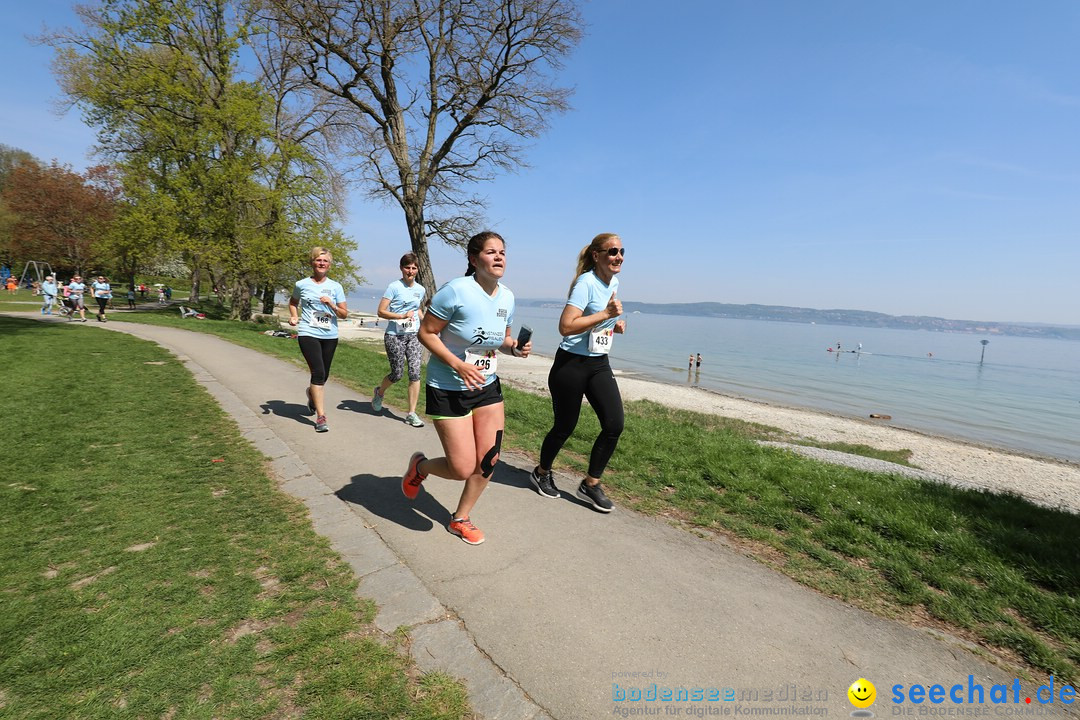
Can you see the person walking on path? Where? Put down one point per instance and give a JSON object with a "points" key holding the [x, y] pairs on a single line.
{"points": [[316, 305], [131, 297], [470, 318], [76, 288], [400, 305], [102, 293], [48, 295], [581, 368]]}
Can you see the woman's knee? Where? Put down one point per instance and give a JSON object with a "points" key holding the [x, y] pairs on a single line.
{"points": [[461, 468], [612, 427]]}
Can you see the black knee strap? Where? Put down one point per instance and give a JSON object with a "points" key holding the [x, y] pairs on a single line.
{"points": [[487, 465]]}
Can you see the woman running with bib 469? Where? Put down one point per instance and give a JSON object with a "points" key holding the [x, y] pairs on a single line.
{"points": [[469, 319], [588, 325]]}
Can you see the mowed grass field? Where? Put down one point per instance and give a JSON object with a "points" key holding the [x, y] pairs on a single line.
{"points": [[150, 569]]}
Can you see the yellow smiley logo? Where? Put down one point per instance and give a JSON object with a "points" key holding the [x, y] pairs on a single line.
{"points": [[862, 693]]}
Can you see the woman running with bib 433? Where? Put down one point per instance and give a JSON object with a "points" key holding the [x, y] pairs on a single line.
{"points": [[588, 325], [317, 303], [469, 320]]}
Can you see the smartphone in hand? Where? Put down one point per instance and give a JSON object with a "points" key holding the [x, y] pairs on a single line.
{"points": [[524, 335]]}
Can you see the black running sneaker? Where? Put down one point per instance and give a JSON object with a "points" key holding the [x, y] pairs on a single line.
{"points": [[544, 483], [594, 495]]}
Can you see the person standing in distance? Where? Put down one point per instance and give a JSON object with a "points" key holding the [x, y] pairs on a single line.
{"points": [[470, 318], [48, 295], [400, 305], [581, 368], [317, 303]]}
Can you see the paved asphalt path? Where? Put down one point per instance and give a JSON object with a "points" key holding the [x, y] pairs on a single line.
{"points": [[563, 608]]}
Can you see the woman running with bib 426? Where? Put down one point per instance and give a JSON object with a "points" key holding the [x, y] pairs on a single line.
{"points": [[588, 325], [469, 320]]}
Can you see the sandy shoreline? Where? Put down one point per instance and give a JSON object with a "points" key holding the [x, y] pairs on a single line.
{"points": [[1047, 482]]}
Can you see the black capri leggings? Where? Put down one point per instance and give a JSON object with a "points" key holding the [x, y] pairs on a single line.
{"points": [[572, 377], [319, 353]]}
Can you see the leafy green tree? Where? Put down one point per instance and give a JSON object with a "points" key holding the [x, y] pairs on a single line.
{"points": [[204, 170]]}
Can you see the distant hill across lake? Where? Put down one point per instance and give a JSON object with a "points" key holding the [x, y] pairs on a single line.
{"points": [[858, 318]]}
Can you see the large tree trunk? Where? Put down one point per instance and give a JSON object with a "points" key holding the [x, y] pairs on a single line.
{"points": [[414, 219], [193, 299], [268, 293], [241, 300]]}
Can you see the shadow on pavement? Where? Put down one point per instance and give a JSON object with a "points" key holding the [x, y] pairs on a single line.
{"points": [[364, 408], [382, 496], [290, 411], [519, 478]]}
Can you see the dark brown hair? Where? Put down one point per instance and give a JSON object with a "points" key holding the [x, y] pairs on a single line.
{"points": [[476, 245]]}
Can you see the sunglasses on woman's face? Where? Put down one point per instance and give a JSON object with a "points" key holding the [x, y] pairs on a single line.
{"points": [[612, 252]]}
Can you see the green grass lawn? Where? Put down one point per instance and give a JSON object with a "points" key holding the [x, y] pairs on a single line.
{"points": [[150, 568], [994, 569]]}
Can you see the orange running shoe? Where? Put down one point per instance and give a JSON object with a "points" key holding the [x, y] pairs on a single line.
{"points": [[468, 532], [410, 484]]}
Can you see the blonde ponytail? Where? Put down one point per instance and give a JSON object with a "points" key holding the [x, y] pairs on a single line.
{"points": [[586, 261]]}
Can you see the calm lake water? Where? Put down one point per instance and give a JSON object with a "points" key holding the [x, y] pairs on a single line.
{"points": [[1025, 395]]}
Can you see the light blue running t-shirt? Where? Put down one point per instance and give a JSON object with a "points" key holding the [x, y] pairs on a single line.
{"points": [[476, 323], [316, 319], [589, 295], [404, 298]]}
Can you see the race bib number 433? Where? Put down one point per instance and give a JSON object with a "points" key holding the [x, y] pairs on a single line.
{"points": [[600, 341]]}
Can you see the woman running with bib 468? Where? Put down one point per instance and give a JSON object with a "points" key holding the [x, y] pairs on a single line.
{"points": [[316, 305], [581, 369], [469, 319]]}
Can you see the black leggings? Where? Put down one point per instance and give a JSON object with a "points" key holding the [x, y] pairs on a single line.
{"points": [[572, 377], [319, 353]]}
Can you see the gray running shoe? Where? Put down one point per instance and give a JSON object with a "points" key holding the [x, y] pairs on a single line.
{"points": [[376, 400], [320, 424], [594, 495], [414, 420], [544, 483]]}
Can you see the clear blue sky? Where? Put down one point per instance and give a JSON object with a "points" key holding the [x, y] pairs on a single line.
{"points": [[915, 157]]}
